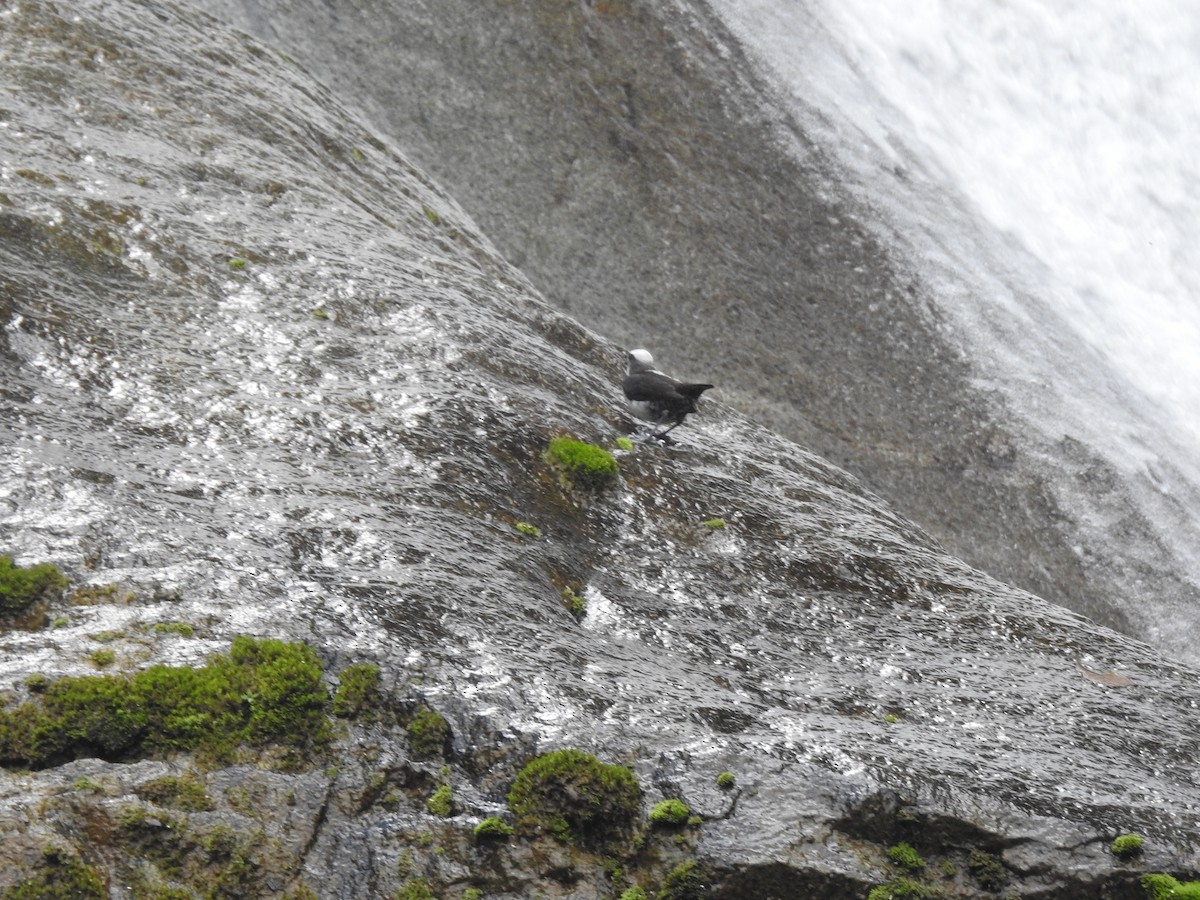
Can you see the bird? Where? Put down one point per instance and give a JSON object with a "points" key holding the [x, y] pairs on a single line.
{"points": [[655, 396]]}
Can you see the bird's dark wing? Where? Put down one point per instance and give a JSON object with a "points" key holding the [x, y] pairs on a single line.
{"points": [[692, 391], [651, 386]]}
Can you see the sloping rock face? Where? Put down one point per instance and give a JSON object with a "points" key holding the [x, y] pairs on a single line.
{"points": [[264, 377], [654, 184]]}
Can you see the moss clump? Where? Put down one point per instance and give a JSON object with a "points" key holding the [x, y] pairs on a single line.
{"points": [[624, 443], [1164, 887], [237, 263], [986, 869], [417, 889], [906, 857], [21, 586], [60, 876], [670, 813], [528, 530], [726, 780], [715, 524], [428, 733], [441, 802], [576, 604], [576, 798], [688, 881], [901, 889], [493, 827], [183, 629], [102, 658], [1127, 846], [358, 690], [634, 893], [176, 792], [262, 692], [584, 466]]}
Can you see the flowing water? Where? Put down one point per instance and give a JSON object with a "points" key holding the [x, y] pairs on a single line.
{"points": [[259, 369], [1039, 159]]}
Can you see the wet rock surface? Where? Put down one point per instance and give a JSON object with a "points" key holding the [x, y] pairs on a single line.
{"points": [[654, 182], [262, 375]]}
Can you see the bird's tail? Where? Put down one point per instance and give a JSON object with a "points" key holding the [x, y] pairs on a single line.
{"points": [[692, 392]]}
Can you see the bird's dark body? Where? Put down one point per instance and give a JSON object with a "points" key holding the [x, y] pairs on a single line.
{"points": [[657, 397]]}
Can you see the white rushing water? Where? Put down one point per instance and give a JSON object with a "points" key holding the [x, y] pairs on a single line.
{"points": [[1039, 158], [1071, 127], [1075, 127]]}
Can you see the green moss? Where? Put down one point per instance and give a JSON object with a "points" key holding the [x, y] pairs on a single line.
{"points": [[576, 604], [417, 889], [688, 881], [236, 263], [726, 780], [670, 813], [493, 827], [428, 733], [472, 894], [37, 682], [1164, 887], [21, 586], [180, 628], [584, 466], [176, 792], [634, 893], [624, 443], [906, 857], [60, 876], [261, 692], [901, 889], [1127, 846], [102, 658], [320, 313], [715, 524], [576, 798], [431, 215], [528, 530], [357, 690], [986, 869], [441, 802]]}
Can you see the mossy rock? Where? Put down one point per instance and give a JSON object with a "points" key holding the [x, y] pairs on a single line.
{"points": [[60, 876], [357, 691], [689, 881], [428, 733], [176, 792], [493, 828], [986, 869], [906, 857], [576, 798], [583, 466], [441, 802], [262, 692], [1167, 887], [670, 813], [21, 586], [902, 889], [1127, 846]]}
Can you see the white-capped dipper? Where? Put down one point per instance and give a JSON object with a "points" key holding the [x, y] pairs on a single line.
{"points": [[656, 397]]}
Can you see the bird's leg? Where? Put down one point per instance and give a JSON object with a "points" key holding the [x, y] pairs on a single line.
{"points": [[662, 434]]}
